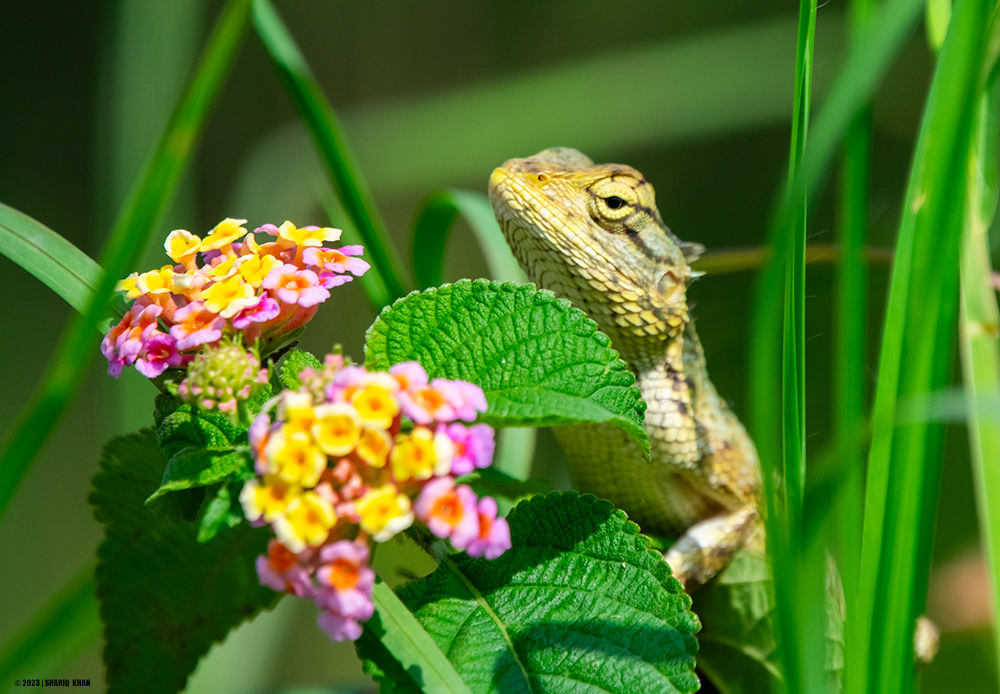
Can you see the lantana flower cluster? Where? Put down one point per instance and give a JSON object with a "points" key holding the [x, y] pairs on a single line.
{"points": [[226, 284], [336, 469]]}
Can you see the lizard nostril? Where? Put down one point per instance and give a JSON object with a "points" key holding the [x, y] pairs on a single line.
{"points": [[542, 178]]}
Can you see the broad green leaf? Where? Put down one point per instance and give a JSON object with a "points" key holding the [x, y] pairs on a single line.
{"points": [[540, 361], [165, 598], [435, 217], [330, 141], [56, 262], [580, 603], [127, 240]]}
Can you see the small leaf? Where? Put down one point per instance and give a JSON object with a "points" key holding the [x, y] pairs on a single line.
{"points": [[579, 603], [540, 361], [199, 467], [221, 511], [165, 598], [492, 482], [180, 425], [293, 364]]}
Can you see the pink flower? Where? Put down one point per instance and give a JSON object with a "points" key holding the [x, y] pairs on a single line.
{"points": [[337, 260], [410, 374], [339, 628], [143, 323], [158, 352], [494, 533], [122, 344], [329, 280], [264, 310], [194, 325], [474, 446], [467, 399], [346, 589], [280, 570], [449, 511], [294, 286]]}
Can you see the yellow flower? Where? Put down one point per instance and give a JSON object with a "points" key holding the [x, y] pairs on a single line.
{"points": [[384, 512], [376, 406], [297, 412], [373, 448], [297, 458], [181, 246], [269, 500], [414, 456], [224, 233], [229, 297], [128, 285], [227, 267], [307, 521], [256, 267], [307, 237], [336, 429], [156, 281]]}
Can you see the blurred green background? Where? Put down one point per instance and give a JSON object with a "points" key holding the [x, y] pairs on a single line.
{"points": [[432, 94]]}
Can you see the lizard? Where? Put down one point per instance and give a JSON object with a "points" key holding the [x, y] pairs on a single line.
{"points": [[592, 234]]}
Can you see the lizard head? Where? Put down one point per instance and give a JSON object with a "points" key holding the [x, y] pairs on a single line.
{"points": [[593, 235]]}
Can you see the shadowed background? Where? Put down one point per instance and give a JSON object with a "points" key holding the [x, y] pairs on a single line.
{"points": [[432, 95]]}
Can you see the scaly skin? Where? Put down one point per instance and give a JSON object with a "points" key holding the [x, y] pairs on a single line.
{"points": [[593, 235]]}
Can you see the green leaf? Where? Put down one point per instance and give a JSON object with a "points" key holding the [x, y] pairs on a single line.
{"points": [[737, 647], [414, 653], [905, 461], [293, 364], [331, 143], [580, 603], [180, 425], [128, 238], [165, 598], [203, 448], [493, 482], [540, 361], [221, 511], [60, 265], [435, 217], [200, 467]]}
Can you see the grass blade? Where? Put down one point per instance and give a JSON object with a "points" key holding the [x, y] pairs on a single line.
{"points": [[867, 63], [328, 136], [67, 624], [126, 242], [435, 217], [978, 337], [905, 461], [850, 401], [411, 645], [60, 265]]}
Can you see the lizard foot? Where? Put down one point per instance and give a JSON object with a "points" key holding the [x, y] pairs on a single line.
{"points": [[706, 547]]}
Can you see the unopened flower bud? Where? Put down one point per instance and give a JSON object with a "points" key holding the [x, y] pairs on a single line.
{"points": [[221, 376]]}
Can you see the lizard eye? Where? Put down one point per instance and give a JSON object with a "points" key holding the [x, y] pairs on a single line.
{"points": [[614, 202]]}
